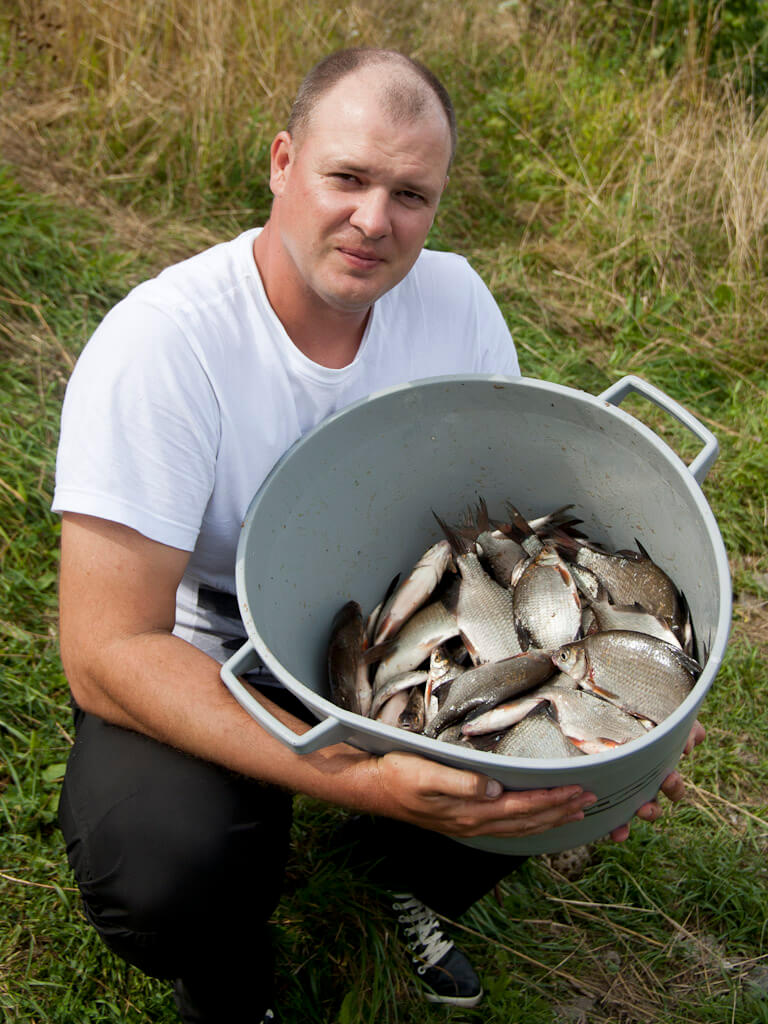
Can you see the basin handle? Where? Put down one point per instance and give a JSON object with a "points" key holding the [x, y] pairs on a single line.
{"points": [[702, 464], [329, 731]]}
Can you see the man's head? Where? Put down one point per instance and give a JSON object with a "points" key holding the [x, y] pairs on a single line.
{"points": [[406, 88], [356, 180]]}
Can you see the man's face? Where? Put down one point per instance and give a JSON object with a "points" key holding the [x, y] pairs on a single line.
{"points": [[356, 194]]}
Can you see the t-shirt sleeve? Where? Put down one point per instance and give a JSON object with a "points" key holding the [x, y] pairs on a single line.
{"points": [[140, 428], [496, 350], [465, 317]]}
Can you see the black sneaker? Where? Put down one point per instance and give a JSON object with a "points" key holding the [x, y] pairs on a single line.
{"points": [[444, 971]]}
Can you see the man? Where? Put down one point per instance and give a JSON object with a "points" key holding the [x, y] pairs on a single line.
{"points": [[176, 805]]}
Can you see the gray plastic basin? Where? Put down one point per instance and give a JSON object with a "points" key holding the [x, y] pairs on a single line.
{"points": [[350, 505]]}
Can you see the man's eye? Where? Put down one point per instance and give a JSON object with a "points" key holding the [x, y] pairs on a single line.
{"points": [[349, 179], [413, 198]]}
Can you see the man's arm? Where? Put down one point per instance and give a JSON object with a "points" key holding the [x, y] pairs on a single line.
{"points": [[117, 597]]}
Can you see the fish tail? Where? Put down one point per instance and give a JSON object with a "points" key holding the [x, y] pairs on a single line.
{"points": [[519, 529], [481, 516], [460, 545], [518, 521], [566, 544]]}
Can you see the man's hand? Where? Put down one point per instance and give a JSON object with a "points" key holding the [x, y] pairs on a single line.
{"points": [[673, 787], [465, 803]]}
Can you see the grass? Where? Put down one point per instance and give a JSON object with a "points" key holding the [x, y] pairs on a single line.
{"points": [[614, 198]]}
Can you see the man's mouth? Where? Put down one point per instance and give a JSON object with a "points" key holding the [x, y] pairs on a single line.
{"points": [[360, 257]]}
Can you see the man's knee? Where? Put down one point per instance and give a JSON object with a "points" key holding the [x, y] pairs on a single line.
{"points": [[170, 838]]}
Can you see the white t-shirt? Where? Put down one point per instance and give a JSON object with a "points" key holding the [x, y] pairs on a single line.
{"points": [[190, 390]]}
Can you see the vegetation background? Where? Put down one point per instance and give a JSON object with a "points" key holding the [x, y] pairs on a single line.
{"points": [[612, 188]]}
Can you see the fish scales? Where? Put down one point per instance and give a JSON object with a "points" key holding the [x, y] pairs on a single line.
{"points": [[629, 578], [643, 675], [489, 684], [538, 735], [485, 612], [546, 602]]}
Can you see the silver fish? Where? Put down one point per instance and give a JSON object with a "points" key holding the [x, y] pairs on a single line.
{"points": [[415, 590], [404, 681], [641, 674], [546, 602], [488, 685], [499, 551], [430, 626], [484, 609], [390, 712], [632, 617], [411, 717], [593, 723], [627, 576], [510, 712], [442, 668], [348, 660], [537, 735]]}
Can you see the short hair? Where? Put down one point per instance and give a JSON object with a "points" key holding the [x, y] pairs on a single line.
{"points": [[403, 100]]}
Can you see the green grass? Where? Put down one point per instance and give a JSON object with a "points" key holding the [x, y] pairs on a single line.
{"points": [[593, 192]]}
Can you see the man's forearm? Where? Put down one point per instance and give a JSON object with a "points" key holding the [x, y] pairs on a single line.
{"points": [[160, 685]]}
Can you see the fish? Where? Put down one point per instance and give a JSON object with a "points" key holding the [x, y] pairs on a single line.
{"points": [[442, 668], [546, 602], [431, 625], [500, 552], [521, 530], [510, 712], [486, 685], [484, 609], [520, 635], [411, 717], [414, 591], [632, 617], [627, 576], [389, 713], [595, 724], [537, 735], [348, 659], [643, 675], [403, 681]]}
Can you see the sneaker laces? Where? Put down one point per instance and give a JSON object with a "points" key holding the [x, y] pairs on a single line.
{"points": [[422, 930]]}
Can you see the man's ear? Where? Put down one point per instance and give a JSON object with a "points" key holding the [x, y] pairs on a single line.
{"points": [[280, 159]]}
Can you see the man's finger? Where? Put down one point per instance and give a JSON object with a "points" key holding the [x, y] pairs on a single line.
{"points": [[673, 787]]}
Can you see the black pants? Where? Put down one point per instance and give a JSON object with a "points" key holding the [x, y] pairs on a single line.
{"points": [[180, 862]]}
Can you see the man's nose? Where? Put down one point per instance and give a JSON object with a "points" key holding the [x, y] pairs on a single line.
{"points": [[372, 215]]}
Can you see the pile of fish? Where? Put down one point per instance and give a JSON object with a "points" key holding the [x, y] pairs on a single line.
{"points": [[519, 637]]}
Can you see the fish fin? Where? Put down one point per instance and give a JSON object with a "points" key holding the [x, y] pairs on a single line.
{"points": [[459, 545], [684, 630], [566, 544], [565, 576], [518, 526], [594, 745], [524, 636], [391, 589], [688, 663], [519, 529], [471, 651], [642, 550], [378, 651], [381, 618], [481, 516], [608, 694]]}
